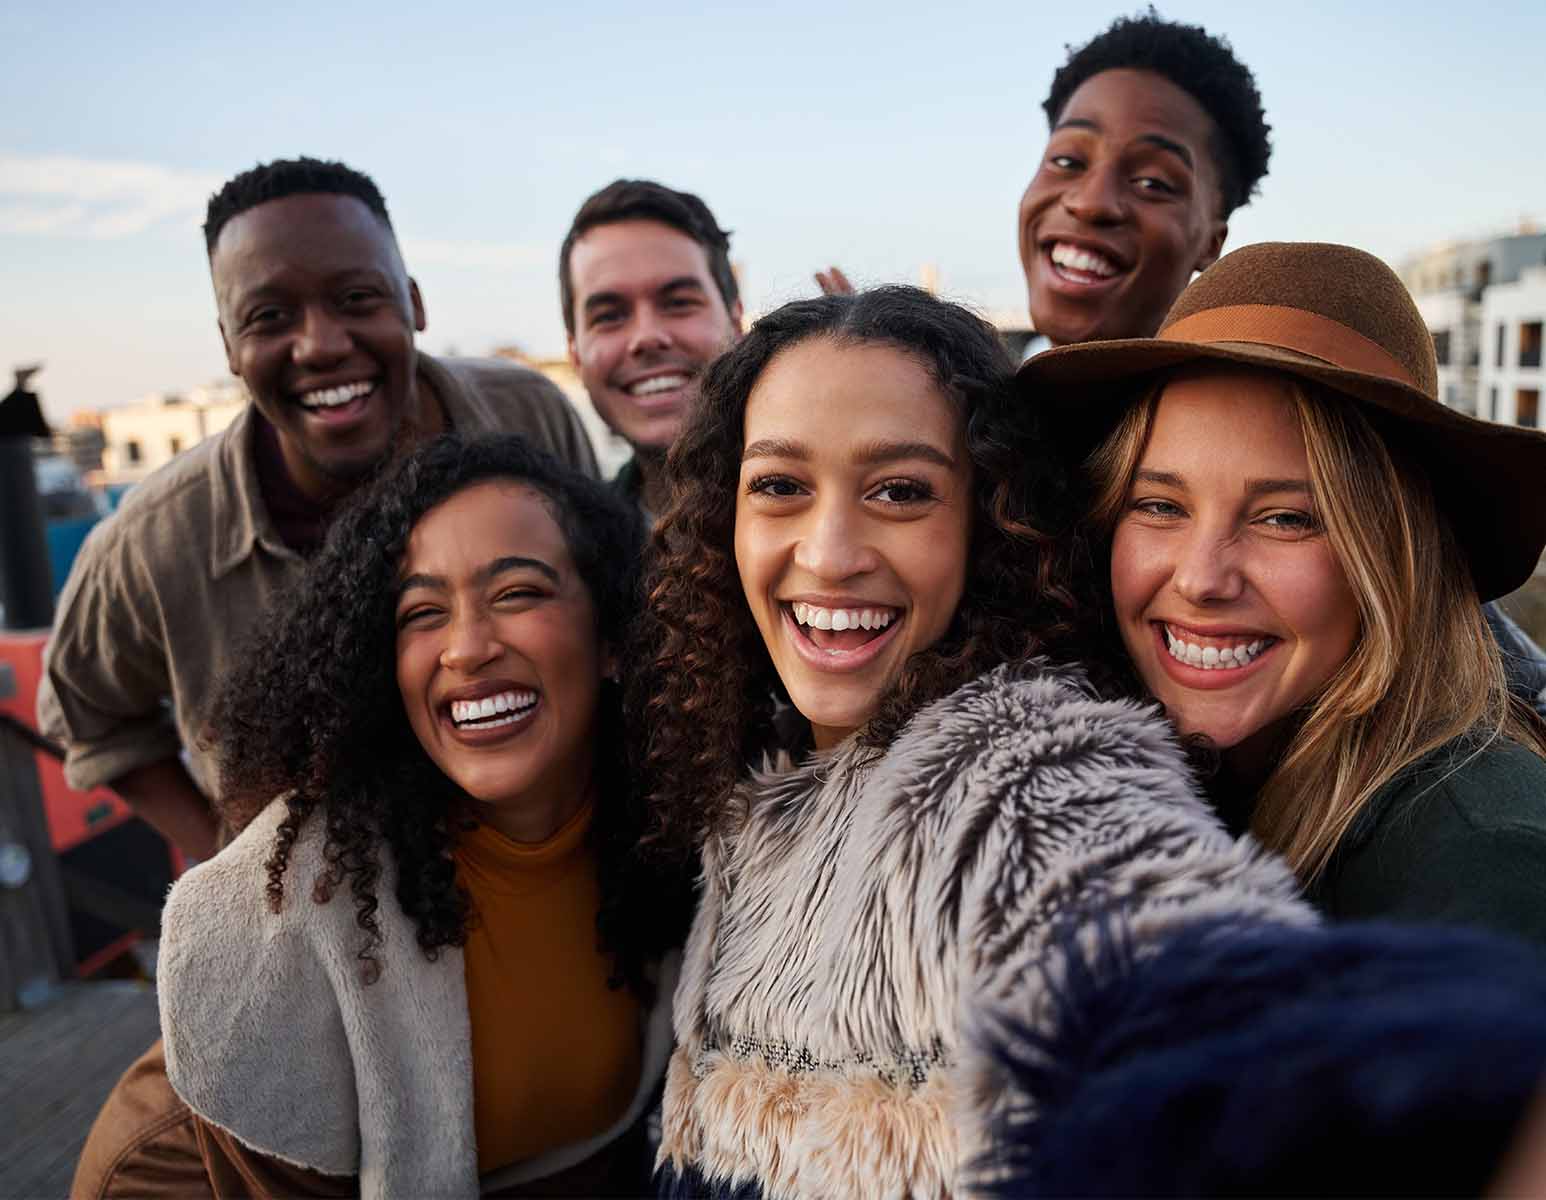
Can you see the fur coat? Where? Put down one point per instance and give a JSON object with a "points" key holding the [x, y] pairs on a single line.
{"points": [[272, 1035], [861, 905]]}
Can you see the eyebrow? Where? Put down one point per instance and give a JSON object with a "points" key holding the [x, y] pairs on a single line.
{"points": [[602, 299], [1253, 487], [510, 562], [1158, 140], [867, 455]]}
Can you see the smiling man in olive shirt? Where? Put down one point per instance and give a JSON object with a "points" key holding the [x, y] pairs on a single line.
{"points": [[318, 316]]}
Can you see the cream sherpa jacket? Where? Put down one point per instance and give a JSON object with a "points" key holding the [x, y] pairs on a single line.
{"points": [[866, 905], [271, 1034]]}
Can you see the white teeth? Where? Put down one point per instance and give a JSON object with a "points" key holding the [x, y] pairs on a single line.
{"points": [[659, 383], [842, 618], [1078, 259], [480, 713], [335, 397], [1213, 658]]}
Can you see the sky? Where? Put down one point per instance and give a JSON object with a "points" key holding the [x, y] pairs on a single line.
{"points": [[878, 136]]}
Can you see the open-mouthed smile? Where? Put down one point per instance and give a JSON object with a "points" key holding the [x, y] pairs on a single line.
{"points": [[488, 718], [341, 403], [661, 389], [840, 638], [1081, 266], [1211, 659]]}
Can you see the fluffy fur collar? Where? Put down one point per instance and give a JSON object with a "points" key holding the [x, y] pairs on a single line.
{"points": [[863, 905]]}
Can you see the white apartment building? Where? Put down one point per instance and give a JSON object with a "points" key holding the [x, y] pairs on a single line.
{"points": [[1512, 318], [1454, 284], [139, 438]]}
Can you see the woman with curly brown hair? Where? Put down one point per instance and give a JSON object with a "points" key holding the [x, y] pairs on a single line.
{"points": [[429, 966], [863, 529]]}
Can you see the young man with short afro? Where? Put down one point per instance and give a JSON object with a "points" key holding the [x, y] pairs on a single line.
{"points": [[318, 316]]}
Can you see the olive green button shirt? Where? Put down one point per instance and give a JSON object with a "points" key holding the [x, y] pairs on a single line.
{"points": [[163, 591], [1458, 838]]}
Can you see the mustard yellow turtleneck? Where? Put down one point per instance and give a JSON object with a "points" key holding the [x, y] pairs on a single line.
{"points": [[555, 1052]]}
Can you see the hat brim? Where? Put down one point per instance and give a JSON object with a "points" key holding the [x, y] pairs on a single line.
{"points": [[1489, 479]]}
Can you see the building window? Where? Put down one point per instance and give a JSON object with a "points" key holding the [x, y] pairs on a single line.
{"points": [[1492, 404], [1441, 346], [1483, 274], [175, 445], [1527, 404], [1498, 360], [1530, 344], [131, 450]]}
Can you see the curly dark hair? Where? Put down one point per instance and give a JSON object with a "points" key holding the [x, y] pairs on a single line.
{"points": [[288, 177], [1200, 64], [314, 713], [646, 200], [705, 687]]}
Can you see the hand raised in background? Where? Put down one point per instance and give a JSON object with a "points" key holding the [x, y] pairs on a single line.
{"points": [[833, 282]]}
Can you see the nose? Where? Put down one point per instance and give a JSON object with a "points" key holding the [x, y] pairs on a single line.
{"points": [[1209, 569], [469, 644], [650, 334], [322, 339], [832, 546], [1096, 197]]}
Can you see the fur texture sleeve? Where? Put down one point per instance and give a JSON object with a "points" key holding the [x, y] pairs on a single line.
{"points": [[1078, 811]]}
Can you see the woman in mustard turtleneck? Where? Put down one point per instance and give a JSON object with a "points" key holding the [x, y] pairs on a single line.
{"points": [[432, 965]]}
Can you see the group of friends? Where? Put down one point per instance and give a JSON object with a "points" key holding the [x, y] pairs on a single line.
{"points": [[915, 774]]}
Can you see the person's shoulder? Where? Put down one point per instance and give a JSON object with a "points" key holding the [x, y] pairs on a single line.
{"points": [[223, 892], [166, 509], [1037, 734], [253, 1000], [1489, 787], [1048, 709], [499, 378]]}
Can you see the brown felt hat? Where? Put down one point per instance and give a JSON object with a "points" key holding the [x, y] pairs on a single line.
{"points": [[1341, 318]]}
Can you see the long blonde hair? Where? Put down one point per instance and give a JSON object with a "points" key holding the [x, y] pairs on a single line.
{"points": [[1425, 668]]}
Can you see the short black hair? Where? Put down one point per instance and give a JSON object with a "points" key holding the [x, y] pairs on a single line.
{"points": [[288, 177], [646, 200], [1201, 65]]}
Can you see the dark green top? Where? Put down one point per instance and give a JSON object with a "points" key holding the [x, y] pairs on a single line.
{"points": [[1459, 837]]}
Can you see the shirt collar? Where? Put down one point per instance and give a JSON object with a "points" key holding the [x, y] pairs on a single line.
{"points": [[240, 520]]}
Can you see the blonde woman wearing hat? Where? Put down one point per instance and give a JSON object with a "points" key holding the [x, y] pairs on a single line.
{"points": [[1301, 536]]}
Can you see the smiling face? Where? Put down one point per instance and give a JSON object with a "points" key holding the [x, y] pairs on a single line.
{"points": [[318, 317], [498, 659], [852, 522], [648, 317], [1227, 594], [1124, 207]]}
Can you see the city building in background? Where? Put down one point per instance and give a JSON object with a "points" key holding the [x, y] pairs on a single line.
{"points": [[140, 438], [1484, 302]]}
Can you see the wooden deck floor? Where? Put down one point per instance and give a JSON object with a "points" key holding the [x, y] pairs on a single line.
{"points": [[57, 1064]]}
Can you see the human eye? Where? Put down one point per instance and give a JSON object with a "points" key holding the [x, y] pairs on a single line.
{"points": [[358, 297], [1065, 162], [684, 302], [517, 593], [903, 492], [1291, 521], [605, 318], [264, 316], [1155, 185], [1157, 508], [416, 615], [776, 487]]}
